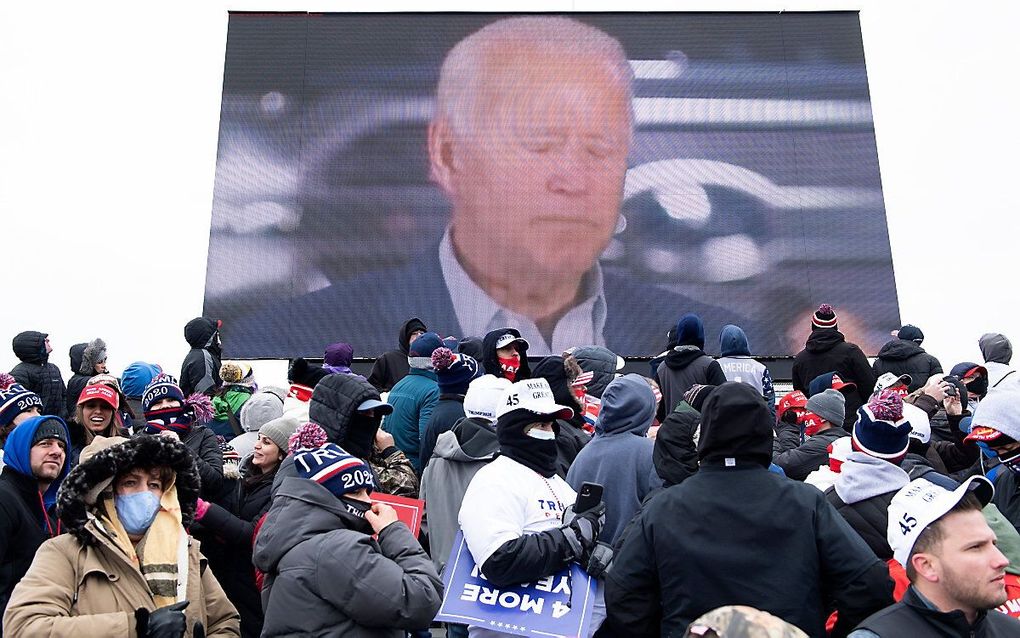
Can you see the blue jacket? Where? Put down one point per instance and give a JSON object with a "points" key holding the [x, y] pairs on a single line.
{"points": [[619, 457], [413, 399]]}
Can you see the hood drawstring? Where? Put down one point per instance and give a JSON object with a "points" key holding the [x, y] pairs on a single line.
{"points": [[46, 517]]}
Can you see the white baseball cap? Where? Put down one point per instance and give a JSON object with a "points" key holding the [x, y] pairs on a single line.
{"points": [[506, 339], [920, 503], [889, 379], [533, 395], [920, 424], [484, 396]]}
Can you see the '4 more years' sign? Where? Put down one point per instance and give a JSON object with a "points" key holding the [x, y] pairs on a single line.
{"points": [[557, 606]]}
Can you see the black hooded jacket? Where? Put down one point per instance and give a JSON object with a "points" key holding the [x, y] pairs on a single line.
{"points": [[333, 406], [78, 379], [900, 356], [827, 350], [665, 574], [685, 366], [392, 366], [200, 371], [570, 437], [676, 454], [490, 361], [37, 374]]}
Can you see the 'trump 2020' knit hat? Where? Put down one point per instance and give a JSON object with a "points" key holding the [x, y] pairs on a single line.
{"points": [[15, 399], [880, 430], [453, 371], [824, 317], [333, 468]]}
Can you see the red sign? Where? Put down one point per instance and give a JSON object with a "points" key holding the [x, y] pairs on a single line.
{"points": [[409, 510]]}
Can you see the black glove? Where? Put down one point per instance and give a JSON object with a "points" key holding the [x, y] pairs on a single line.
{"points": [[582, 530], [598, 562], [165, 622]]}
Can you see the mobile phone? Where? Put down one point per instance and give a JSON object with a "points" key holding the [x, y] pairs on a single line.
{"points": [[952, 380], [589, 497]]}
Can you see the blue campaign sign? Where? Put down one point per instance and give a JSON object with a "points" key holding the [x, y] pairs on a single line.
{"points": [[557, 606]]}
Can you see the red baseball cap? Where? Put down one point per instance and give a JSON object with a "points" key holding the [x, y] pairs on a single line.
{"points": [[795, 399], [100, 392]]}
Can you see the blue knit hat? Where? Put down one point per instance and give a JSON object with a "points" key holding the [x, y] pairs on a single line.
{"points": [[164, 386], [419, 354], [15, 399], [333, 468], [690, 331], [454, 371], [881, 430]]}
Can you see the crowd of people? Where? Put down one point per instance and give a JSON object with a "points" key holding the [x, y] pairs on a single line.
{"points": [[875, 499]]}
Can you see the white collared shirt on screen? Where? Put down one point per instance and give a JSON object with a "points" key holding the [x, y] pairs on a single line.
{"points": [[478, 313]]}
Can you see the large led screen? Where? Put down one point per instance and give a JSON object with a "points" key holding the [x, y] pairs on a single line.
{"points": [[588, 179]]}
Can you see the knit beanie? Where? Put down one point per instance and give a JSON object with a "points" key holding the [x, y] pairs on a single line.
{"points": [[483, 396], [419, 354], [179, 419], [697, 394], [15, 399], [824, 317], [830, 405], [52, 428], [996, 416], [333, 468], [308, 436], [260, 409], [690, 331], [236, 373], [338, 357], [279, 431], [880, 430], [453, 371], [164, 386]]}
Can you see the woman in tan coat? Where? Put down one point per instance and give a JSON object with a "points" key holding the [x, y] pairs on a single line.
{"points": [[128, 567]]}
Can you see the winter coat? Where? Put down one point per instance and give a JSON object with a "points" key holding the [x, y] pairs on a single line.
{"points": [[862, 493], [1007, 496], [900, 356], [326, 578], [915, 616], [801, 460], [228, 404], [413, 399], [208, 458], [658, 582], [601, 362], [619, 456], [827, 350], [79, 379], [200, 371], [27, 518], [570, 440], [675, 454], [448, 411], [227, 532], [685, 366], [392, 366], [490, 360], [82, 584], [737, 364], [37, 374], [458, 454]]}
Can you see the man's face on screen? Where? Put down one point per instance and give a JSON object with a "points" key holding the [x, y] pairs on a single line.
{"points": [[544, 165]]}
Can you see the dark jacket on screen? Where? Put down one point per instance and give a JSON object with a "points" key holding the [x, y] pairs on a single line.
{"points": [[37, 374], [200, 371], [392, 366], [827, 350], [900, 356]]}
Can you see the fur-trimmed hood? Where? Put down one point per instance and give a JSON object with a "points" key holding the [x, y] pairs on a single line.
{"points": [[93, 354], [105, 458]]}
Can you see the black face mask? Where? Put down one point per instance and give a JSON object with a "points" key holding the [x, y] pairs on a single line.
{"points": [[979, 386], [361, 433], [357, 509], [530, 452]]}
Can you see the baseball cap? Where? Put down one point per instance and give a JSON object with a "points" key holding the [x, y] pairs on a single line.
{"points": [[889, 379], [506, 339], [484, 396], [920, 503], [792, 400], [910, 333], [375, 404], [920, 424], [100, 392], [533, 395]]}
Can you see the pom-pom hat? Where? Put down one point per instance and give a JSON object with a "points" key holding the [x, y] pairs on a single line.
{"points": [[454, 371], [824, 317], [333, 468], [15, 399], [880, 430]]}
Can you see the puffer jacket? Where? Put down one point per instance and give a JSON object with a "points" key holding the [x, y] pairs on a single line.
{"points": [[685, 366], [900, 356], [200, 371], [324, 577], [37, 374], [78, 380], [83, 584], [458, 455], [827, 350]]}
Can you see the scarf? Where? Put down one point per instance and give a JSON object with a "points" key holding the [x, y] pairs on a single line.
{"points": [[515, 444], [162, 554]]}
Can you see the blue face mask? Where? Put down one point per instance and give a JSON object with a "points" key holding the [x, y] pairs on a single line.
{"points": [[137, 511]]}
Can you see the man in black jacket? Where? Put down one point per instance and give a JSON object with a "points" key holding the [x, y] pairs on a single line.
{"points": [[200, 371], [956, 572], [35, 457], [36, 373], [823, 425], [904, 355], [827, 350], [392, 366], [735, 533]]}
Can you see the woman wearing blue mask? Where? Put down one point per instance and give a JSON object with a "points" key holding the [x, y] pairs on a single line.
{"points": [[128, 566]]}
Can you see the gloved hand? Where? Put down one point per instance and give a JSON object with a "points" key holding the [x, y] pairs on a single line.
{"points": [[582, 530], [201, 507], [165, 622], [598, 561]]}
